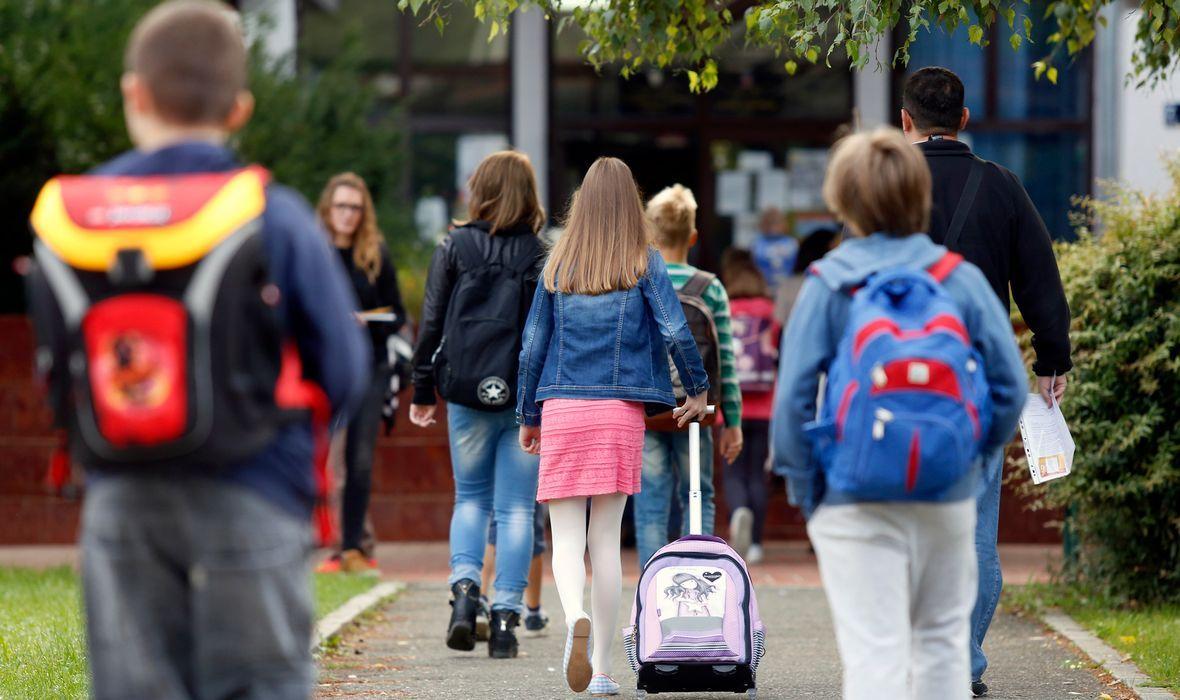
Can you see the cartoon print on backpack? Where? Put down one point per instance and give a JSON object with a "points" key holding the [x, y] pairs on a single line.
{"points": [[691, 594]]}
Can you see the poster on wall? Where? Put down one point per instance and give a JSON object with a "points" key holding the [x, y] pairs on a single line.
{"points": [[807, 166], [733, 192]]}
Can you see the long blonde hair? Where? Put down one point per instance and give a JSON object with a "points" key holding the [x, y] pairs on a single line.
{"points": [[504, 192], [366, 242], [605, 244]]}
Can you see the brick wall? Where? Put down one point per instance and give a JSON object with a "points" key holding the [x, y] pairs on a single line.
{"points": [[412, 487]]}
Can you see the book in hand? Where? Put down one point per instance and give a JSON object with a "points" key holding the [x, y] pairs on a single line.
{"points": [[381, 314], [1047, 442]]}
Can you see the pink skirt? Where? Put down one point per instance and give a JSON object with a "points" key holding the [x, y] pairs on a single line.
{"points": [[590, 448]]}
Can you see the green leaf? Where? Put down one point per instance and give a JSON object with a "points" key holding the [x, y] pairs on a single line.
{"points": [[975, 34], [1015, 40], [440, 24], [791, 67], [812, 54], [1052, 73]]}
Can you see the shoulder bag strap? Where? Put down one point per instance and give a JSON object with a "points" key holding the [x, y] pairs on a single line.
{"points": [[697, 284], [966, 200]]}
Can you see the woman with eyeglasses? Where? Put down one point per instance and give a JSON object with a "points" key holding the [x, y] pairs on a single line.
{"points": [[346, 210]]}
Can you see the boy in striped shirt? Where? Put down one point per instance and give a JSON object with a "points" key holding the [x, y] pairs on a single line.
{"points": [[665, 454]]}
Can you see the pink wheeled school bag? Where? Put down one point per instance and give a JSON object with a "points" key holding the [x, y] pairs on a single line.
{"points": [[694, 623]]}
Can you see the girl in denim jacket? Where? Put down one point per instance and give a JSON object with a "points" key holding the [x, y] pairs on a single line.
{"points": [[594, 359]]}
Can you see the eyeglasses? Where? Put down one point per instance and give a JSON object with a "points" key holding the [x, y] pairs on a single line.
{"points": [[355, 208]]}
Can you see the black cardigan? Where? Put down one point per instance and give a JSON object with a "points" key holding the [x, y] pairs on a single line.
{"points": [[377, 293], [1005, 237]]}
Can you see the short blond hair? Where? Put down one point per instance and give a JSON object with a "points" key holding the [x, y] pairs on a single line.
{"points": [[878, 182], [605, 243], [673, 214]]}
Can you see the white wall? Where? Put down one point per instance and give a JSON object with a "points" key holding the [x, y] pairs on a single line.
{"points": [[1141, 133]]}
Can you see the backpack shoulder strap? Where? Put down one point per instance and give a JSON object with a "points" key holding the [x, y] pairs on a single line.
{"points": [[698, 283], [528, 259], [944, 266], [468, 249], [966, 201]]}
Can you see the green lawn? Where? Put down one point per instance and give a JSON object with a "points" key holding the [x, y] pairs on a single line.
{"points": [[42, 644], [1149, 635]]}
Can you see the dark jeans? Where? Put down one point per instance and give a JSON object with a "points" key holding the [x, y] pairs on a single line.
{"points": [[745, 479], [359, 445], [194, 588]]}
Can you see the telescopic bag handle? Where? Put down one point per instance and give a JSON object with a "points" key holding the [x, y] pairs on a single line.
{"points": [[694, 474]]}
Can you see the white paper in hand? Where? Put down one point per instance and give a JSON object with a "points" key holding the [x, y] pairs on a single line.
{"points": [[1047, 441]]}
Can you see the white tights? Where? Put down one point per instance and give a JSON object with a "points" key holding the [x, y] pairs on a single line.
{"points": [[570, 538]]}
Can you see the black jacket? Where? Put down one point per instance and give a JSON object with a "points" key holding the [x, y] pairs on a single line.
{"points": [[372, 294], [445, 268], [1005, 237]]}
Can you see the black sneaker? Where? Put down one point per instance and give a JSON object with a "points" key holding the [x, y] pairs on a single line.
{"points": [[535, 622], [978, 689], [464, 605], [502, 643]]}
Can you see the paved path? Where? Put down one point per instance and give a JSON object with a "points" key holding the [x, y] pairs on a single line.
{"points": [[400, 654]]}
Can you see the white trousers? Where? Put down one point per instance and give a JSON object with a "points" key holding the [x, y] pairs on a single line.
{"points": [[901, 582]]}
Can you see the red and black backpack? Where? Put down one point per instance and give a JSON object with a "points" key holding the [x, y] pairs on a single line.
{"points": [[155, 295]]}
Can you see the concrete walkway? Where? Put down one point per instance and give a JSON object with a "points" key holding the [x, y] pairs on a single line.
{"points": [[400, 654]]}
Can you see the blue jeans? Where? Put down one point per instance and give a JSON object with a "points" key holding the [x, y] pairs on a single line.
{"points": [[195, 588], [665, 462], [494, 478], [991, 580]]}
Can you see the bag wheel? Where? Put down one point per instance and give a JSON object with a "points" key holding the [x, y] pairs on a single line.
{"points": [[752, 693]]}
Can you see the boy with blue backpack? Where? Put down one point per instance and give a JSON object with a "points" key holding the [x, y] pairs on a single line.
{"points": [[923, 377]]}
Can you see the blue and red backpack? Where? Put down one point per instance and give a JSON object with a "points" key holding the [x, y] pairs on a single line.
{"points": [[906, 404]]}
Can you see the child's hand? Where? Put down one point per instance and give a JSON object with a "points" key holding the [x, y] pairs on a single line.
{"points": [[422, 415], [693, 409], [731, 443], [530, 439]]}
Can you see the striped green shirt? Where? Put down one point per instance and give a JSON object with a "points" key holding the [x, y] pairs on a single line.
{"points": [[718, 302]]}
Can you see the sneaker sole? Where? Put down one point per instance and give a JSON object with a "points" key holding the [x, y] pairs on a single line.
{"points": [[460, 637], [579, 673]]}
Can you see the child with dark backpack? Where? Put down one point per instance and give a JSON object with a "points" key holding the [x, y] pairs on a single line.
{"points": [[923, 376], [756, 334], [672, 213], [196, 335], [478, 290]]}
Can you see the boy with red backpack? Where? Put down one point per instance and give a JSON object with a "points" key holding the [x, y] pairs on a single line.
{"points": [[196, 336], [923, 377]]}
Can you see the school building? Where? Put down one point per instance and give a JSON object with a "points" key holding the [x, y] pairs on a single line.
{"points": [[759, 139]]}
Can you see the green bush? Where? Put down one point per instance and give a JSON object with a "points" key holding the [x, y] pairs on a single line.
{"points": [[1123, 401], [61, 111]]}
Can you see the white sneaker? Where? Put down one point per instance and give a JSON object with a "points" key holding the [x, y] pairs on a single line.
{"points": [[602, 685], [576, 664], [741, 530], [755, 554]]}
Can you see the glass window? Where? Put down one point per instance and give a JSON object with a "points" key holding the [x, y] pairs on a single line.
{"points": [[1021, 95], [754, 83], [1052, 166], [373, 22], [484, 94], [463, 43]]}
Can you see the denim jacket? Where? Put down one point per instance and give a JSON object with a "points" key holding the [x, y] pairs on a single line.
{"points": [[608, 346], [819, 320]]}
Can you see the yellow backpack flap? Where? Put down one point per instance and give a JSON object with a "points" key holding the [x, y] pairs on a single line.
{"points": [[174, 220]]}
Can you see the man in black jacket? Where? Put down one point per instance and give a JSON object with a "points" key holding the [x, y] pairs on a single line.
{"points": [[982, 211]]}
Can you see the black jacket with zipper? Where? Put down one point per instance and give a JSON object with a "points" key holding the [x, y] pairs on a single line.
{"points": [[445, 267], [1004, 236]]}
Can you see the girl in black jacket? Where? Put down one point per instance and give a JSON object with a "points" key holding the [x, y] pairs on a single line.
{"points": [[347, 212]]}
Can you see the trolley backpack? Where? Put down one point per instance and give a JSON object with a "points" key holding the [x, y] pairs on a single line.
{"points": [[704, 332], [906, 404], [156, 291], [695, 625], [476, 361]]}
